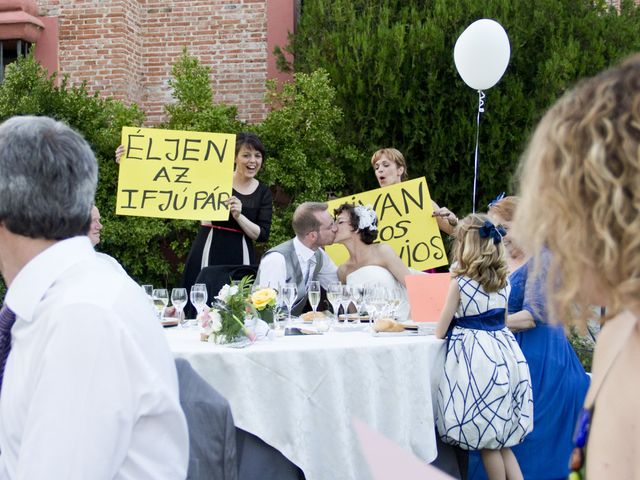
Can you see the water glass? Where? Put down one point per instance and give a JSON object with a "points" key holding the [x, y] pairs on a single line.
{"points": [[334, 293], [289, 294], [345, 301], [148, 290], [198, 297], [179, 300]]}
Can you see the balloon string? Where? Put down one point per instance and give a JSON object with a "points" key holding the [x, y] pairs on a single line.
{"points": [[481, 96]]}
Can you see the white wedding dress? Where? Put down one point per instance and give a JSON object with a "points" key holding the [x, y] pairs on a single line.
{"points": [[375, 274]]}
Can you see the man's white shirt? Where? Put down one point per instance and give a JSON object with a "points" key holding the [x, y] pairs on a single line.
{"points": [[90, 389], [273, 268]]}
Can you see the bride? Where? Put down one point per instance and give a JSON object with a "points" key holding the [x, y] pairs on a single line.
{"points": [[369, 263]]}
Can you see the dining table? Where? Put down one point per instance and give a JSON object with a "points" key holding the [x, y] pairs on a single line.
{"points": [[300, 393]]}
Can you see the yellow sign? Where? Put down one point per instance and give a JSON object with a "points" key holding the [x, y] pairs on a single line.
{"points": [[175, 174], [405, 223]]}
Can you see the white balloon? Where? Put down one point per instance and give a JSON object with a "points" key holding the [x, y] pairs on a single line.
{"points": [[482, 54]]}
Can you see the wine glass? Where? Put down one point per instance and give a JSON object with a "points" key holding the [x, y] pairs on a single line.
{"points": [[334, 292], [357, 297], [313, 292], [198, 297], [179, 300], [148, 290], [160, 298], [345, 301], [289, 294]]}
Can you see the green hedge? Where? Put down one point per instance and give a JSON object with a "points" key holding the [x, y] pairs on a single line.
{"points": [[300, 134], [391, 62]]}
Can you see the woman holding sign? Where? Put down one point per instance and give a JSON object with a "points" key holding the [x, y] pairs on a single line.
{"points": [[250, 206], [390, 168]]}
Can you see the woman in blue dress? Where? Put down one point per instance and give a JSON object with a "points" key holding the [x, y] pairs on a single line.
{"points": [[558, 379]]}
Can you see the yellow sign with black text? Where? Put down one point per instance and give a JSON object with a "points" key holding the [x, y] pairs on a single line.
{"points": [[405, 222], [175, 174]]}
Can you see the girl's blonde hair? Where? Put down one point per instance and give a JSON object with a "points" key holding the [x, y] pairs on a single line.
{"points": [[580, 183], [478, 258]]}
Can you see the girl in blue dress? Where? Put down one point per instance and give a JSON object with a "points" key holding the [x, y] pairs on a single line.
{"points": [[484, 398]]}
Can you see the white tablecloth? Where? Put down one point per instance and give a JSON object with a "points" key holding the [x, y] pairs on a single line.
{"points": [[299, 393]]}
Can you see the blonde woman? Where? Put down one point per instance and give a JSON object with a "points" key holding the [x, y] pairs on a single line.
{"points": [[580, 184], [390, 167]]}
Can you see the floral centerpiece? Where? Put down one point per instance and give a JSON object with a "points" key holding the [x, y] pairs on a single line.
{"points": [[263, 303], [224, 321], [232, 314]]}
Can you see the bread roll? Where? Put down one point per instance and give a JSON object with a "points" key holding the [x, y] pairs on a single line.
{"points": [[387, 325], [310, 316]]}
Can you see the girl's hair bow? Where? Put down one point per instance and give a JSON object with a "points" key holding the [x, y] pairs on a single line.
{"points": [[490, 230]]}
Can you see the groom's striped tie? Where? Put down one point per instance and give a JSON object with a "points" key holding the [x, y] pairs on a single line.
{"points": [[7, 319]]}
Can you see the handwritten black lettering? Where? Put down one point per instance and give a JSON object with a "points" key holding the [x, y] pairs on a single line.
{"points": [[130, 146], [149, 147], [186, 150], [175, 150], [181, 172], [220, 155], [162, 173], [406, 197], [147, 195], [129, 193]]}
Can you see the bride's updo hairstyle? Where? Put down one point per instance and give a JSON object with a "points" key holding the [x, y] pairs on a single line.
{"points": [[362, 220]]}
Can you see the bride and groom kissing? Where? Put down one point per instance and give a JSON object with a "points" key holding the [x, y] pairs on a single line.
{"points": [[302, 258]]}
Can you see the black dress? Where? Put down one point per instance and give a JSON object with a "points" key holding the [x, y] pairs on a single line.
{"points": [[225, 243]]}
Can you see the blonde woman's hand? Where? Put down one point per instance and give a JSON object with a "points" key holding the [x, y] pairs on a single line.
{"points": [[444, 212]]}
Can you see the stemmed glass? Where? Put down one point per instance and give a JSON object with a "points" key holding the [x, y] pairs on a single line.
{"points": [[179, 300], [148, 290], [160, 298], [334, 292], [357, 297], [313, 293], [345, 301], [198, 297], [289, 294]]}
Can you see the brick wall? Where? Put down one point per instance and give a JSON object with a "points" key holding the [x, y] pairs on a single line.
{"points": [[125, 48]]}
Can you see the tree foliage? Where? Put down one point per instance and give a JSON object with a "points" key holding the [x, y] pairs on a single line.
{"points": [[304, 156], [391, 62]]}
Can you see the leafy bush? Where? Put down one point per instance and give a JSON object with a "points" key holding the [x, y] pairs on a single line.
{"points": [[305, 159], [300, 134], [391, 63]]}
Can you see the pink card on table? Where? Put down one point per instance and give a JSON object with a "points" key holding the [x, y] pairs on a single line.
{"points": [[427, 294]]}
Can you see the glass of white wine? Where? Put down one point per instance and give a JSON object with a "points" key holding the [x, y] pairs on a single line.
{"points": [[313, 292], [160, 298]]}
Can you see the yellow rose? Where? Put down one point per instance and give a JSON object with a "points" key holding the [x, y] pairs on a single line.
{"points": [[263, 297]]}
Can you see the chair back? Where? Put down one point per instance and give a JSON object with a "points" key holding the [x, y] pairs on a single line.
{"points": [[217, 276], [212, 434]]}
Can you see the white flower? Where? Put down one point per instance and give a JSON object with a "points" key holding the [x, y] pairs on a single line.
{"points": [[226, 292], [366, 217], [210, 322]]}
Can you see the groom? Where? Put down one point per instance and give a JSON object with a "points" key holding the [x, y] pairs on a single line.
{"points": [[301, 259]]}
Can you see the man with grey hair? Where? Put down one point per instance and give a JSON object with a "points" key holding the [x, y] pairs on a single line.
{"points": [[302, 259], [88, 387]]}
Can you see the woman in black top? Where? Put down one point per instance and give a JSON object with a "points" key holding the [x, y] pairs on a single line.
{"points": [[230, 242]]}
